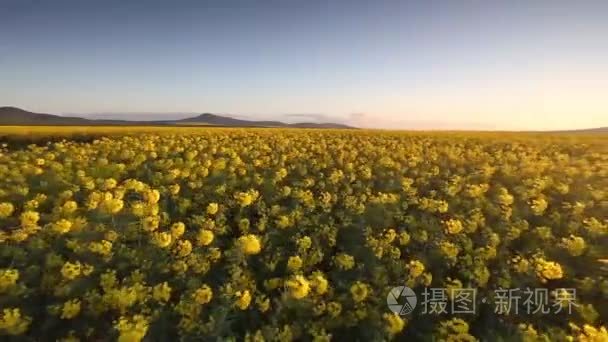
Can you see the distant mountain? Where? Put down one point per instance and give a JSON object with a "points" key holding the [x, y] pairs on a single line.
{"points": [[19, 117], [601, 130], [12, 116], [218, 120], [595, 130]]}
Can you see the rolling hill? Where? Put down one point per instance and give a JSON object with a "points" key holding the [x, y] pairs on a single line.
{"points": [[219, 120], [598, 130], [19, 117], [13, 116]]}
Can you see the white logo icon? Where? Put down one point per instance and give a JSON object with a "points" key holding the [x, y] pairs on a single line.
{"points": [[401, 300]]}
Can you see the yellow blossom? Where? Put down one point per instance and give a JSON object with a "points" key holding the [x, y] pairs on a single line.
{"points": [[304, 243], [538, 206], [212, 208], [174, 189], [404, 238], [298, 287], [112, 205], [453, 226], [319, 283], [152, 196], [8, 279], [344, 261], [246, 198], [243, 299], [6, 209], [205, 237], [203, 295], [13, 322], [334, 309], [359, 291], [548, 270], [294, 263], [150, 223], [263, 303], [575, 245], [133, 329], [103, 247], [71, 271], [177, 230], [416, 268], [70, 309], [394, 323], [161, 239], [590, 333], [390, 235], [29, 219], [62, 226], [162, 292], [69, 207], [250, 244], [183, 248], [109, 184]]}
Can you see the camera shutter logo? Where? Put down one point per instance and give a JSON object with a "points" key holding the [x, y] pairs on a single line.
{"points": [[401, 300]]}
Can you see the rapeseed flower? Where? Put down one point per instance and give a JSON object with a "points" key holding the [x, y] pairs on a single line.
{"points": [[13, 322], [6, 209], [212, 208], [203, 295], [70, 309], [359, 291], [162, 292], [298, 287], [8, 279], [249, 244], [205, 237], [243, 299], [393, 323]]}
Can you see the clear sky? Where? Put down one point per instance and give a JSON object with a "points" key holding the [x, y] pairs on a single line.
{"points": [[394, 64]]}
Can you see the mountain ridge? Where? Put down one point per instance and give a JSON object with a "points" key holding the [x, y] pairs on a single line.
{"points": [[14, 116]]}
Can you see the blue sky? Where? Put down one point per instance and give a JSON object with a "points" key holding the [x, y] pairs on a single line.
{"points": [[393, 64]]}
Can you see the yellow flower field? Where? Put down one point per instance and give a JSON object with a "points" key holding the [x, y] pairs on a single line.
{"points": [[161, 233]]}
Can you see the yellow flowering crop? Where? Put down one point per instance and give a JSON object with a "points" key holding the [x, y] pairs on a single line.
{"points": [[230, 234]]}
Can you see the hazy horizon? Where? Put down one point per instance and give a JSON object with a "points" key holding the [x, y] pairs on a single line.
{"points": [[516, 65]]}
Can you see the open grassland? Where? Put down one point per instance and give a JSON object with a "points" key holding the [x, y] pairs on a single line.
{"points": [[135, 233]]}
